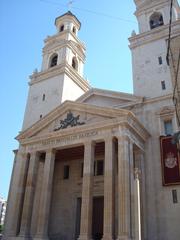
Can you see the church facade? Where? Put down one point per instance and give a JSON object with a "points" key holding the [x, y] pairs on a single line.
{"points": [[93, 163]]}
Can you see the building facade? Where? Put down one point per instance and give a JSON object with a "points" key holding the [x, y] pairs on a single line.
{"points": [[2, 210], [90, 164]]}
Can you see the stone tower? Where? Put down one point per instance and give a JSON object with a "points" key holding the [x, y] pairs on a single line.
{"points": [[151, 74], [61, 75]]}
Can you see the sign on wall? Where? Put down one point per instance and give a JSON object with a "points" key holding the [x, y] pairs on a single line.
{"points": [[170, 161]]}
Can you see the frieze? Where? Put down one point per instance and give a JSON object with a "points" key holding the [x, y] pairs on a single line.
{"points": [[69, 138]]}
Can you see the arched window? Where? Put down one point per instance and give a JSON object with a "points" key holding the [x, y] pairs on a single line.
{"points": [[74, 30], [156, 20], [61, 28], [74, 63], [54, 60]]}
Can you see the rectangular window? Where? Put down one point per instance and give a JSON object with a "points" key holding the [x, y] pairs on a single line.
{"points": [[160, 60], [168, 128], [43, 97], [66, 172], [163, 85], [98, 168], [82, 168], [174, 196]]}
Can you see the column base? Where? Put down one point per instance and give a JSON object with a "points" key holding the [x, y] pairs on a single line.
{"points": [[41, 237], [107, 238], [23, 237], [123, 238], [84, 238]]}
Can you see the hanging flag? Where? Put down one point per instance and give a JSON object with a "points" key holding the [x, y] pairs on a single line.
{"points": [[170, 161]]}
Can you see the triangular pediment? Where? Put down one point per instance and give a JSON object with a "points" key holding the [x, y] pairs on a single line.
{"points": [[71, 115]]}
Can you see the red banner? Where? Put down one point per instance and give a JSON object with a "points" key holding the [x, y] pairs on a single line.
{"points": [[170, 161]]}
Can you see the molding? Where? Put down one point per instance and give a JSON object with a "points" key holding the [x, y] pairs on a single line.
{"points": [[63, 68], [148, 101], [151, 6], [57, 45], [154, 34], [108, 93], [117, 116], [58, 36]]}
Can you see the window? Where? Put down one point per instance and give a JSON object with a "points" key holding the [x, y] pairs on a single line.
{"points": [[163, 85], [66, 172], [160, 60], [168, 128], [82, 168], [61, 28], [43, 97], [40, 116], [74, 63], [74, 30], [156, 20], [98, 168], [54, 61], [174, 196]]}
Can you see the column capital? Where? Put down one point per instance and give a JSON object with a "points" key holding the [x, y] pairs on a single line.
{"points": [[124, 138], [50, 150]]}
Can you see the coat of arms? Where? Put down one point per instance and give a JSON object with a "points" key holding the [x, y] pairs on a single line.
{"points": [[170, 160], [70, 120]]}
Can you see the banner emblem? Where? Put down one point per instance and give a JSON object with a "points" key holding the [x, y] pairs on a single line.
{"points": [[171, 160]]}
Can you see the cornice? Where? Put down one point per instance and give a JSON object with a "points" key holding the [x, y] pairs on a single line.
{"points": [[154, 34], [151, 5], [63, 68], [108, 93], [61, 44], [148, 101], [116, 117], [58, 37]]}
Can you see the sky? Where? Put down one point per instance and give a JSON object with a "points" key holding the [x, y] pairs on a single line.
{"points": [[24, 24]]}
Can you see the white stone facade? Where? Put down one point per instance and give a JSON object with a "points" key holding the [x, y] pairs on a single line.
{"points": [[98, 155], [2, 210]]}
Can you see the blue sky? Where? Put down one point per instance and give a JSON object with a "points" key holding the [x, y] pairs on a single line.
{"points": [[106, 26]]}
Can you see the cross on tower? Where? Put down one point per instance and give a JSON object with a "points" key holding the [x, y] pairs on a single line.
{"points": [[70, 4]]}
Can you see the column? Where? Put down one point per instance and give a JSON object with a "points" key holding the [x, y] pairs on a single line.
{"points": [[86, 208], [43, 216], [123, 188], [109, 190], [137, 173], [29, 196], [16, 195]]}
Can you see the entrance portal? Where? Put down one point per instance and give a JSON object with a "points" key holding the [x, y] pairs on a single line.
{"points": [[97, 218]]}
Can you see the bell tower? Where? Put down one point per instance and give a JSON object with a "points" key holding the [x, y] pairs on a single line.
{"points": [[151, 74], [61, 75]]}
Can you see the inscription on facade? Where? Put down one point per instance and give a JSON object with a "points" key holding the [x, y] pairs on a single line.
{"points": [[69, 138]]}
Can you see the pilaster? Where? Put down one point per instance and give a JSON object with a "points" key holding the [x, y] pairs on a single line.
{"points": [[17, 195], [86, 209], [29, 197]]}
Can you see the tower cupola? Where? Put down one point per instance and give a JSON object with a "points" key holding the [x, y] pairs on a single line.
{"points": [[67, 22]]}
